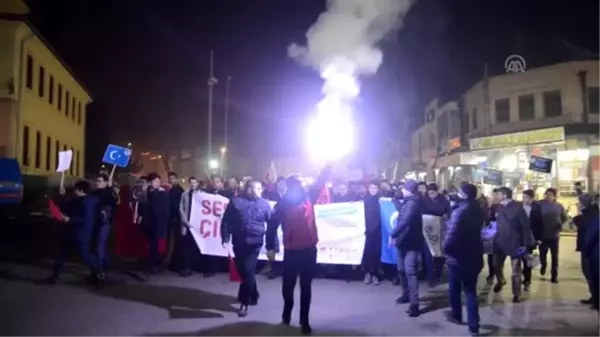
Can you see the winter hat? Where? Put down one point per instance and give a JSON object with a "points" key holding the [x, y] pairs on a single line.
{"points": [[411, 185], [469, 190], [585, 200]]}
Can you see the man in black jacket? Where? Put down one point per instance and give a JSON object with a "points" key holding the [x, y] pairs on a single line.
{"points": [[434, 204], [155, 219], [175, 193], [107, 203], [464, 256], [408, 236], [534, 213], [244, 227]]}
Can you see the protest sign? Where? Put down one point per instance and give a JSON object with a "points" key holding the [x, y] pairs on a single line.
{"points": [[341, 229], [389, 216], [205, 218], [432, 231]]}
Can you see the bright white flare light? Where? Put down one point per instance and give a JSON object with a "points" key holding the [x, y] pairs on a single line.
{"points": [[330, 134]]}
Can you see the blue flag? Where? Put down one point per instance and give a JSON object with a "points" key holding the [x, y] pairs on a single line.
{"points": [[389, 214], [117, 155]]}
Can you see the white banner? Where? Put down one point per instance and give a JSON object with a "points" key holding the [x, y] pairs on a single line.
{"points": [[432, 231], [341, 232], [206, 216], [341, 229]]}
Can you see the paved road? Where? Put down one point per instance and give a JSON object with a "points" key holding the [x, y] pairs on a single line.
{"points": [[168, 305]]}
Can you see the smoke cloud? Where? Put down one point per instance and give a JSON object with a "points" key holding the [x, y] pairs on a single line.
{"points": [[346, 35]]}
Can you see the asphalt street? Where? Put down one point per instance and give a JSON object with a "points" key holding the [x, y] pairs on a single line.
{"points": [[169, 305]]}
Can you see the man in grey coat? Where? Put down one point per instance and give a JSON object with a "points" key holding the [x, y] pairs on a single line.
{"points": [[513, 237], [553, 216], [186, 245]]}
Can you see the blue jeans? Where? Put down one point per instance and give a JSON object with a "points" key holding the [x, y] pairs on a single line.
{"points": [[78, 238], [464, 281], [245, 262], [408, 265], [101, 246]]}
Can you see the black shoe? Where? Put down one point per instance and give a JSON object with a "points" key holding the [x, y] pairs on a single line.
{"points": [[526, 287], [516, 299], [185, 273], [543, 270], [306, 329], [402, 300], [253, 301], [414, 311], [286, 317], [489, 280], [453, 319], [396, 281], [554, 280], [242, 311], [52, 280], [157, 270], [586, 302], [498, 287], [271, 275]]}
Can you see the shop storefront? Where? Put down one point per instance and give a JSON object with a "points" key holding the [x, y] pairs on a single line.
{"points": [[511, 154]]}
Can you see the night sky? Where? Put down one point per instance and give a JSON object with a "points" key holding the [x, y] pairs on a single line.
{"points": [[146, 63]]}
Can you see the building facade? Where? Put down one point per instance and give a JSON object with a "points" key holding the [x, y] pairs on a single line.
{"points": [[42, 104], [550, 112]]}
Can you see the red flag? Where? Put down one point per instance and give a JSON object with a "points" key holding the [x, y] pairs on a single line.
{"points": [[324, 197], [234, 276], [55, 211]]}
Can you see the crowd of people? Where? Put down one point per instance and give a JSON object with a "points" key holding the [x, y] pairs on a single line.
{"points": [[514, 231]]}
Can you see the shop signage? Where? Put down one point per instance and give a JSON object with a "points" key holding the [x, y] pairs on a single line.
{"points": [[540, 164], [518, 139], [492, 177]]}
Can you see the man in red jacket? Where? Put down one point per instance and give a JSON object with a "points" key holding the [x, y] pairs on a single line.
{"points": [[295, 214]]}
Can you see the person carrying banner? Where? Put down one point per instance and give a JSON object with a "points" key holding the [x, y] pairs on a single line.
{"points": [[186, 247], [436, 205], [211, 263], [408, 237], [464, 256], [175, 192], [371, 259], [295, 214], [276, 195], [155, 220], [243, 227], [80, 217]]}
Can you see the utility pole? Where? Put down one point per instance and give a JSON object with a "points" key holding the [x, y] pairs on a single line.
{"points": [[227, 87], [211, 82], [226, 122]]}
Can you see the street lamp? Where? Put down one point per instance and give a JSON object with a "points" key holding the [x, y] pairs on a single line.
{"points": [[213, 164]]}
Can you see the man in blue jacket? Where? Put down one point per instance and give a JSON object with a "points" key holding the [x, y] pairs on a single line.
{"points": [[408, 236], [80, 215], [464, 256], [244, 226]]}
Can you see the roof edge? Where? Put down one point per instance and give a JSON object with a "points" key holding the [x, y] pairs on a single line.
{"points": [[24, 18]]}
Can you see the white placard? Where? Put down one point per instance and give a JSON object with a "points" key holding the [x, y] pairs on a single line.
{"points": [[341, 229], [432, 231], [64, 160]]}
